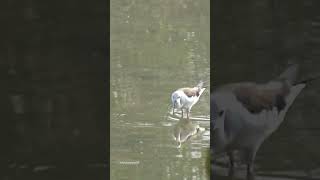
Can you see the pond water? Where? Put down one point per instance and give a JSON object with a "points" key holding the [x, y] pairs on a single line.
{"points": [[157, 47]]}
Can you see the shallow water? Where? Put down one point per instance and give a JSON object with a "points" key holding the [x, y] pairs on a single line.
{"points": [[156, 48]]}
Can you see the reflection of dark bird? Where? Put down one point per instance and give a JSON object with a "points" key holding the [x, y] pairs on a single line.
{"points": [[245, 114], [185, 129], [185, 98]]}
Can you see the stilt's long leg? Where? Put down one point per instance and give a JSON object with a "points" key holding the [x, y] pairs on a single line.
{"points": [[173, 110], [181, 112], [250, 173], [188, 112], [251, 154], [231, 167]]}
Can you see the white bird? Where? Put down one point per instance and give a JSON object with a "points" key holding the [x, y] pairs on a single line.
{"points": [[245, 114], [185, 98]]}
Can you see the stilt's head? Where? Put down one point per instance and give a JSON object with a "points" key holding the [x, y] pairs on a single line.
{"points": [[290, 74], [200, 88], [200, 85]]}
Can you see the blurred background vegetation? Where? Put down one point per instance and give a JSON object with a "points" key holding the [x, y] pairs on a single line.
{"points": [[54, 93]]}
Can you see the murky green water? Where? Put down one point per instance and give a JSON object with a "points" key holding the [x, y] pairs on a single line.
{"points": [[157, 46]]}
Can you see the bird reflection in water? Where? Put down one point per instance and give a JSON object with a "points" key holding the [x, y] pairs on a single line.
{"points": [[185, 129]]}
